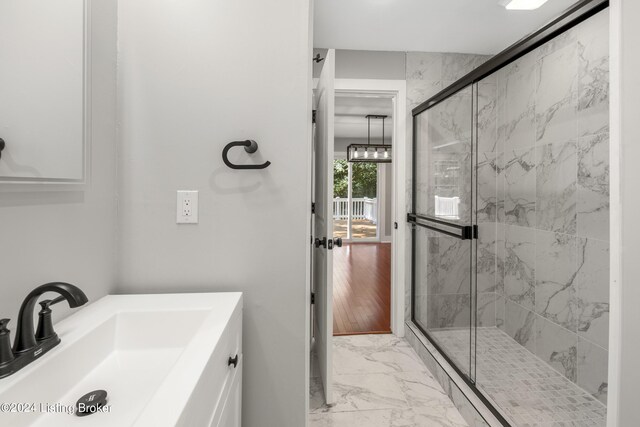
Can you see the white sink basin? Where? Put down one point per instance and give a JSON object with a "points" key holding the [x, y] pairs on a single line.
{"points": [[148, 352]]}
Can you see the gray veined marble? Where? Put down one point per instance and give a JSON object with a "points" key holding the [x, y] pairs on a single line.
{"points": [[486, 258], [456, 65], [556, 182], [424, 66], [520, 324], [556, 272], [520, 187], [406, 395], [486, 309], [592, 369], [516, 114], [449, 128], [355, 358], [559, 42], [593, 187], [558, 347], [419, 91], [487, 192], [487, 119], [593, 291], [444, 263], [500, 258], [593, 74], [556, 95], [519, 265], [525, 389], [448, 311]]}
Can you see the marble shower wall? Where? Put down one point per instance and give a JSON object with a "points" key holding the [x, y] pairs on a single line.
{"points": [[427, 74], [543, 203]]}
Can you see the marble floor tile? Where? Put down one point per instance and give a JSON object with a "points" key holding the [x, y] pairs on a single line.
{"points": [[351, 359], [369, 340], [356, 392], [389, 418], [376, 418], [379, 381]]}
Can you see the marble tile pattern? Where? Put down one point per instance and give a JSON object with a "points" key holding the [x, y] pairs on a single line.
{"points": [[526, 390], [427, 74], [551, 157], [542, 208], [379, 381]]}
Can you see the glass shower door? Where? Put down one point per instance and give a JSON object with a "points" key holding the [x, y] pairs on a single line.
{"points": [[443, 230]]}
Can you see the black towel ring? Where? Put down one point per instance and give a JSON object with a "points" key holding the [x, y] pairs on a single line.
{"points": [[250, 146]]}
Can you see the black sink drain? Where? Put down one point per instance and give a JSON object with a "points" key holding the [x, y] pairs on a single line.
{"points": [[91, 403]]}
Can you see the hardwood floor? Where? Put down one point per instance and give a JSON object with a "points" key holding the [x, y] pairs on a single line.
{"points": [[362, 289]]}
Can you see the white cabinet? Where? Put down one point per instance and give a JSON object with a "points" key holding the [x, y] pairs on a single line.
{"points": [[232, 409], [216, 400]]}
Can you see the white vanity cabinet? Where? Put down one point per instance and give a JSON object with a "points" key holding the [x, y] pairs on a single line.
{"points": [[165, 360], [216, 400]]}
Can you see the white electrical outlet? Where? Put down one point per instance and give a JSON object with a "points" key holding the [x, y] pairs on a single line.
{"points": [[187, 207]]}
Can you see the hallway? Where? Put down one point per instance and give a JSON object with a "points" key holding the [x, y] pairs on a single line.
{"points": [[362, 289]]}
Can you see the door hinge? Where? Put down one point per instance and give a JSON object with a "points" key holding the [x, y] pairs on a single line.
{"points": [[313, 116], [313, 298], [313, 207]]}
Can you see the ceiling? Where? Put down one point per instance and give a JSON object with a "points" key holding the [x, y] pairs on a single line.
{"points": [[350, 121], [465, 26]]}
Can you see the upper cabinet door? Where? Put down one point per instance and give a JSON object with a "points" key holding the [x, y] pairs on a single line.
{"points": [[42, 90]]}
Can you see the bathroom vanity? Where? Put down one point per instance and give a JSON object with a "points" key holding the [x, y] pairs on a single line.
{"points": [[164, 360]]}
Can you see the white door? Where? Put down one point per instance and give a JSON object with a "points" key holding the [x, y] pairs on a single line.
{"points": [[323, 228]]}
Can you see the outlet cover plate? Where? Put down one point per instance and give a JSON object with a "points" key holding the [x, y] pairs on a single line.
{"points": [[187, 207]]}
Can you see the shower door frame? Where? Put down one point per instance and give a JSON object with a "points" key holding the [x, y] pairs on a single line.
{"points": [[573, 16]]}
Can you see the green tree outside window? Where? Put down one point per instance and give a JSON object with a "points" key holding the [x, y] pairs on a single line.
{"points": [[365, 179]]}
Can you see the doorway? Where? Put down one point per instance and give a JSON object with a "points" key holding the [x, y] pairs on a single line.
{"points": [[324, 242], [362, 266]]}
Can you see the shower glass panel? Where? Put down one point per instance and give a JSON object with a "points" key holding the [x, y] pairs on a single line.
{"points": [[542, 156], [443, 222]]}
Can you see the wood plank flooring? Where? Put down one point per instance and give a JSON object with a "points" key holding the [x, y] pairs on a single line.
{"points": [[362, 289]]}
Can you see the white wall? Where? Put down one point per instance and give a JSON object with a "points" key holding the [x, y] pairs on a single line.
{"points": [[365, 64], [624, 375], [193, 76], [62, 233]]}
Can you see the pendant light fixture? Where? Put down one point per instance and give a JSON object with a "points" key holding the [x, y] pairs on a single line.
{"points": [[381, 153]]}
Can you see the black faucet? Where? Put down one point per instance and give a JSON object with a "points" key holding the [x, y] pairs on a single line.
{"points": [[28, 344]]}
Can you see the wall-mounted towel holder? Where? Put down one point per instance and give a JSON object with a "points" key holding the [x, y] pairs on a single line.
{"points": [[250, 146]]}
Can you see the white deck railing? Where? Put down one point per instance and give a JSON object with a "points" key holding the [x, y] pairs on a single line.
{"points": [[447, 207], [362, 208]]}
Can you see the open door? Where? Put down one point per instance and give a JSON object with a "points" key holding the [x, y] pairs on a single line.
{"points": [[323, 228]]}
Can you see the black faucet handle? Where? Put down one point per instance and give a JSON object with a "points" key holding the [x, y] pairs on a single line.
{"points": [[45, 325], [45, 304], [3, 325], [6, 355]]}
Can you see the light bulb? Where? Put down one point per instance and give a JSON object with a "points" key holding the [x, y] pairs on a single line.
{"points": [[375, 154], [355, 154], [366, 153], [386, 154]]}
